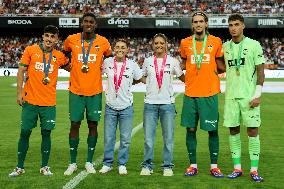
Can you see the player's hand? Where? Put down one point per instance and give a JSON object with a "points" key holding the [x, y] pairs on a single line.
{"points": [[254, 103], [20, 100]]}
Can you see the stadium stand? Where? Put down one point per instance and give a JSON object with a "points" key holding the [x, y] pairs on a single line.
{"points": [[142, 8]]}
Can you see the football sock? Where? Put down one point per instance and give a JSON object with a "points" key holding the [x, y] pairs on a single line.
{"points": [[235, 147], [92, 141], [45, 146], [23, 146], [254, 151], [191, 144], [213, 146], [73, 142], [212, 166]]}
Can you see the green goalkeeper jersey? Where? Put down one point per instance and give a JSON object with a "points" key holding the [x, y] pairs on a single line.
{"points": [[241, 73]]}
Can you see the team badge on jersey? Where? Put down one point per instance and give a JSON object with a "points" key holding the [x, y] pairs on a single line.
{"points": [[97, 48], [210, 48], [54, 59]]}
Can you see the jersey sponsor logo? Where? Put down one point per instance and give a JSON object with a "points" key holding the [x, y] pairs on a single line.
{"points": [[234, 62], [20, 22], [206, 59], [39, 66], [91, 59]]}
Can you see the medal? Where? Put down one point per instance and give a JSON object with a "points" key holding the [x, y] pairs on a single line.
{"points": [[46, 66], [198, 60], [46, 80], [117, 79], [85, 68], [238, 60], [159, 76]]}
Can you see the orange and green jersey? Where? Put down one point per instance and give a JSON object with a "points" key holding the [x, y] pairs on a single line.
{"points": [[35, 92], [205, 82], [87, 84]]}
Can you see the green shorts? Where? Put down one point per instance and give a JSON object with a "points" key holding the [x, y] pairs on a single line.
{"points": [[79, 103], [203, 108], [235, 109], [30, 114]]}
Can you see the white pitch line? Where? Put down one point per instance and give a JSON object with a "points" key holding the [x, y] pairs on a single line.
{"points": [[83, 174]]}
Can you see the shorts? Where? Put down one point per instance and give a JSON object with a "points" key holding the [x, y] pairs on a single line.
{"points": [[237, 109], [79, 103], [30, 114], [203, 108]]}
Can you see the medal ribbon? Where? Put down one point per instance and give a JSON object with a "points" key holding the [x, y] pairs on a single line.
{"points": [[46, 67], [159, 77], [86, 56], [199, 61], [118, 83], [238, 65]]}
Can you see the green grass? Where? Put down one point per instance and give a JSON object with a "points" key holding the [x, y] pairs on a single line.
{"points": [[271, 163]]}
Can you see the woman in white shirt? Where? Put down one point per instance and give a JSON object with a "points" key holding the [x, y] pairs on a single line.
{"points": [[120, 72], [159, 71]]}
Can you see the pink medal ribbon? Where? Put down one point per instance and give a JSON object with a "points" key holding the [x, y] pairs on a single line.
{"points": [[118, 83], [159, 77]]}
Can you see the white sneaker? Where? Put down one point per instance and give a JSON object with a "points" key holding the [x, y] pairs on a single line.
{"points": [[71, 169], [90, 168], [146, 171], [16, 172], [168, 172], [122, 170], [45, 171], [105, 169]]}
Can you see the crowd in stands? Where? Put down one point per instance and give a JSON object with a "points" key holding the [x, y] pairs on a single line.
{"points": [[11, 49], [140, 8]]}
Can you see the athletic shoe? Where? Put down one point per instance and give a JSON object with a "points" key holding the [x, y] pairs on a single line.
{"points": [[90, 168], [122, 170], [16, 172], [168, 172], [235, 174], [255, 177], [191, 171], [45, 171], [71, 169], [105, 169], [145, 171], [216, 172]]}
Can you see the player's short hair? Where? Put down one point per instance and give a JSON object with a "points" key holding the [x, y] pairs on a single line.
{"points": [[124, 40], [160, 35], [51, 29], [200, 13], [89, 14], [234, 17]]}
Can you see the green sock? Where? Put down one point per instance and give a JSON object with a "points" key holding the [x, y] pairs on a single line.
{"points": [[191, 144], [23, 146], [235, 147], [213, 146], [92, 141], [73, 142], [254, 150], [45, 147]]}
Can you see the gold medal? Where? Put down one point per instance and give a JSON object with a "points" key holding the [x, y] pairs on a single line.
{"points": [[85, 69], [238, 72], [45, 80]]}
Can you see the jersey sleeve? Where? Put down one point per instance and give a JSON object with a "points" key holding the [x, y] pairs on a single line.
{"points": [[176, 68], [26, 57], [66, 45], [145, 67], [220, 52], [108, 50], [104, 66], [182, 50], [258, 54], [137, 72]]}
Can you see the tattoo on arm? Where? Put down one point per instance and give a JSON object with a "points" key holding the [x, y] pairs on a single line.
{"points": [[260, 74]]}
